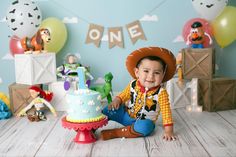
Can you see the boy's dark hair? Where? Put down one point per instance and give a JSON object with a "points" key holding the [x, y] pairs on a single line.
{"points": [[152, 58]]}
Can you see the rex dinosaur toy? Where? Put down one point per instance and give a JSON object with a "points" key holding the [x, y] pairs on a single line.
{"points": [[106, 89]]}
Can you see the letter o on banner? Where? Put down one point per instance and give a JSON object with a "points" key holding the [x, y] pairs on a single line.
{"points": [[94, 34]]}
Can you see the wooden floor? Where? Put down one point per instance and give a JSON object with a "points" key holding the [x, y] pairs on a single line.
{"points": [[199, 134]]}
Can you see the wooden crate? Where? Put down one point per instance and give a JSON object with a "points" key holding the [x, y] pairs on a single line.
{"points": [[198, 63], [33, 69], [217, 94], [179, 95], [19, 96], [59, 95]]}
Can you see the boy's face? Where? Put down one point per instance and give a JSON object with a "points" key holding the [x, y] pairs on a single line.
{"points": [[149, 73]]}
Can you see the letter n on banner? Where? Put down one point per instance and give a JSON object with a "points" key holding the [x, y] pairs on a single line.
{"points": [[115, 37], [135, 31], [94, 34]]}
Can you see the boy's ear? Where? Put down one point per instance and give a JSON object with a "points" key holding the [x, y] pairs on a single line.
{"points": [[136, 72]]}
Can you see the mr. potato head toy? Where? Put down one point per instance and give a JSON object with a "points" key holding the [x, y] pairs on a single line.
{"points": [[197, 36]]}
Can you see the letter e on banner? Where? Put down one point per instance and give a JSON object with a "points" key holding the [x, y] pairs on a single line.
{"points": [[135, 31], [94, 34], [115, 37]]}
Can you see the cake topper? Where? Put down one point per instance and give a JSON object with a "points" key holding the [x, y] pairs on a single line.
{"points": [[41, 99], [106, 89], [68, 71], [35, 44], [81, 75]]}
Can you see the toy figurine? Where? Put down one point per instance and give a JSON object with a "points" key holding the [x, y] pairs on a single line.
{"points": [[5, 112], [41, 99], [106, 89], [197, 35], [5, 99], [36, 43], [68, 71]]}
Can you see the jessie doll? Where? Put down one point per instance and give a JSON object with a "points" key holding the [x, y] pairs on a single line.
{"points": [[41, 99]]}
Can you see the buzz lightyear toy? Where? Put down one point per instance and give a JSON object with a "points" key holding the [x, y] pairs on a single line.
{"points": [[68, 71]]}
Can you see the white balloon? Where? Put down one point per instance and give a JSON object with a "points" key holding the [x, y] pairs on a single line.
{"points": [[209, 9], [24, 18]]}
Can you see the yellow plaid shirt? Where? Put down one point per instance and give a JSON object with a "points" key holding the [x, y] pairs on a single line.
{"points": [[156, 101]]}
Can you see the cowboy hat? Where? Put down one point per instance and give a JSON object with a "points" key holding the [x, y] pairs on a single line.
{"points": [[162, 53]]}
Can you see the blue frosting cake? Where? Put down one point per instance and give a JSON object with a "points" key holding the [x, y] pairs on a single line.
{"points": [[84, 105]]}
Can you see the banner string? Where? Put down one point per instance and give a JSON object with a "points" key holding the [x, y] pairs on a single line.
{"points": [[87, 21], [156, 7], [70, 11]]}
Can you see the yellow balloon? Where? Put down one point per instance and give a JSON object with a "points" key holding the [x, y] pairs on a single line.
{"points": [[224, 27], [5, 99], [58, 34]]}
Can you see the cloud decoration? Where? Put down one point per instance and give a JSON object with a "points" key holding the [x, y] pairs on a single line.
{"points": [[78, 55], [3, 19], [99, 80], [91, 103], [178, 39], [70, 20], [8, 56], [40, 0], [105, 37], [150, 18]]}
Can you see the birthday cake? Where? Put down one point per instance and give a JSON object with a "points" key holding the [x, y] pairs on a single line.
{"points": [[84, 105]]}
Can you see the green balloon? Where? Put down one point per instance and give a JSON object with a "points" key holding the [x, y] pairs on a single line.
{"points": [[58, 34], [224, 27]]}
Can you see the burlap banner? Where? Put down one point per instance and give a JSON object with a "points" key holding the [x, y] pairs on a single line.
{"points": [[135, 31], [115, 34], [115, 37], [94, 35]]}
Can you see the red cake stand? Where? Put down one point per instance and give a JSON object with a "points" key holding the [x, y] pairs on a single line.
{"points": [[84, 130]]}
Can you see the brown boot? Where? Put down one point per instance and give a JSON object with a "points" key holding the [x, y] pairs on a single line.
{"points": [[31, 118], [127, 132]]}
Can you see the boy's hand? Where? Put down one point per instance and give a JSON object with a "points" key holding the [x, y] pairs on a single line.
{"points": [[115, 104], [168, 134]]}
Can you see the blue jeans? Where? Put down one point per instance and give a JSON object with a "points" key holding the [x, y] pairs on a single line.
{"points": [[142, 126]]}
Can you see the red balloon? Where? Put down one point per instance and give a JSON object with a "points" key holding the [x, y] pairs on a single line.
{"points": [[15, 46], [206, 27]]}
